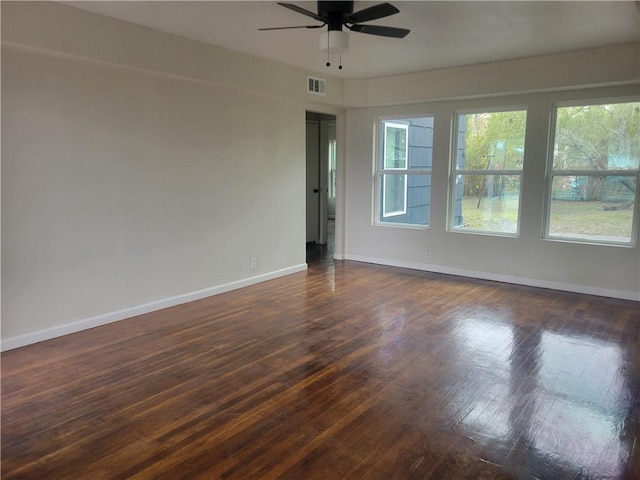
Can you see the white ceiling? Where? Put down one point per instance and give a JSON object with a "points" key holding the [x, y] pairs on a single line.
{"points": [[443, 33]]}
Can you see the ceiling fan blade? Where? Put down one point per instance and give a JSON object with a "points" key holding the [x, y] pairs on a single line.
{"points": [[301, 10], [380, 30], [371, 13], [287, 28]]}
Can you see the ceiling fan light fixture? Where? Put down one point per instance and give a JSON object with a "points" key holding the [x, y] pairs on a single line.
{"points": [[335, 41]]}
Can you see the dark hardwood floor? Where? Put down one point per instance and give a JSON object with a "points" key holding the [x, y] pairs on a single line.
{"points": [[349, 371]]}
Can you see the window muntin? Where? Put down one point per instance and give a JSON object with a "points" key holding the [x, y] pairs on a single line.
{"points": [[487, 175], [403, 171], [592, 183]]}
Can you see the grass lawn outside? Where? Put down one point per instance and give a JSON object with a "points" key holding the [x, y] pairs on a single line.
{"points": [[570, 219], [499, 214], [582, 219]]}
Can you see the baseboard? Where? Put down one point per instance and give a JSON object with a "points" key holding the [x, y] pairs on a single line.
{"points": [[530, 282], [73, 327]]}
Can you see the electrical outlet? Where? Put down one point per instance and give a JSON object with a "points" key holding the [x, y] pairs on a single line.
{"points": [[254, 263], [427, 253]]}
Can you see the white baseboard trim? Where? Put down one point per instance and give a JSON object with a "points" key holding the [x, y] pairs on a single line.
{"points": [[497, 277], [58, 331]]}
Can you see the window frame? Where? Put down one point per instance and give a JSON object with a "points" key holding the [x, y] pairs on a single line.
{"points": [[379, 172], [454, 172], [552, 173]]}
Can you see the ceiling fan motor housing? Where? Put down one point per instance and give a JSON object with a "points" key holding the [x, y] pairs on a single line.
{"points": [[335, 12]]}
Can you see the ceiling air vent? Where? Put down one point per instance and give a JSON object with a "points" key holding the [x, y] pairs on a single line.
{"points": [[315, 86]]}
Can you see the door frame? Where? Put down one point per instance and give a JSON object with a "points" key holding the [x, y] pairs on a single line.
{"points": [[339, 117], [313, 184]]}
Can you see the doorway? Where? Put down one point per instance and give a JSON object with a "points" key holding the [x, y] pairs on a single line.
{"points": [[320, 181]]}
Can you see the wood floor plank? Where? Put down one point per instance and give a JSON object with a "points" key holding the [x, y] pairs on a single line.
{"points": [[346, 371]]}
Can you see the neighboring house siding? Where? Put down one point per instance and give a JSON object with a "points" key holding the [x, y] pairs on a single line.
{"points": [[420, 156]]}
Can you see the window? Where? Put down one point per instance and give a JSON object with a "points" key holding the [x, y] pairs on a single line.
{"points": [[487, 172], [593, 176], [403, 171]]}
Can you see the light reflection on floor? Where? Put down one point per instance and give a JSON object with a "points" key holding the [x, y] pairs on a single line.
{"points": [[564, 392]]}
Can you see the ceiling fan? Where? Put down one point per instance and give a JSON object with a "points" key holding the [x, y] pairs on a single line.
{"points": [[335, 15], [338, 14]]}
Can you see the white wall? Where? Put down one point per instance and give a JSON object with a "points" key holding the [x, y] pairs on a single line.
{"points": [[59, 28], [603, 270], [604, 66], [128, 188]]}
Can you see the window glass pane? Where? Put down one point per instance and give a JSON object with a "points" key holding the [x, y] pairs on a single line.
{"points": [[594, 208], [597, 137], [395, 145], [486, 203], [405, 199], [491, 140], [394, 195]]}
